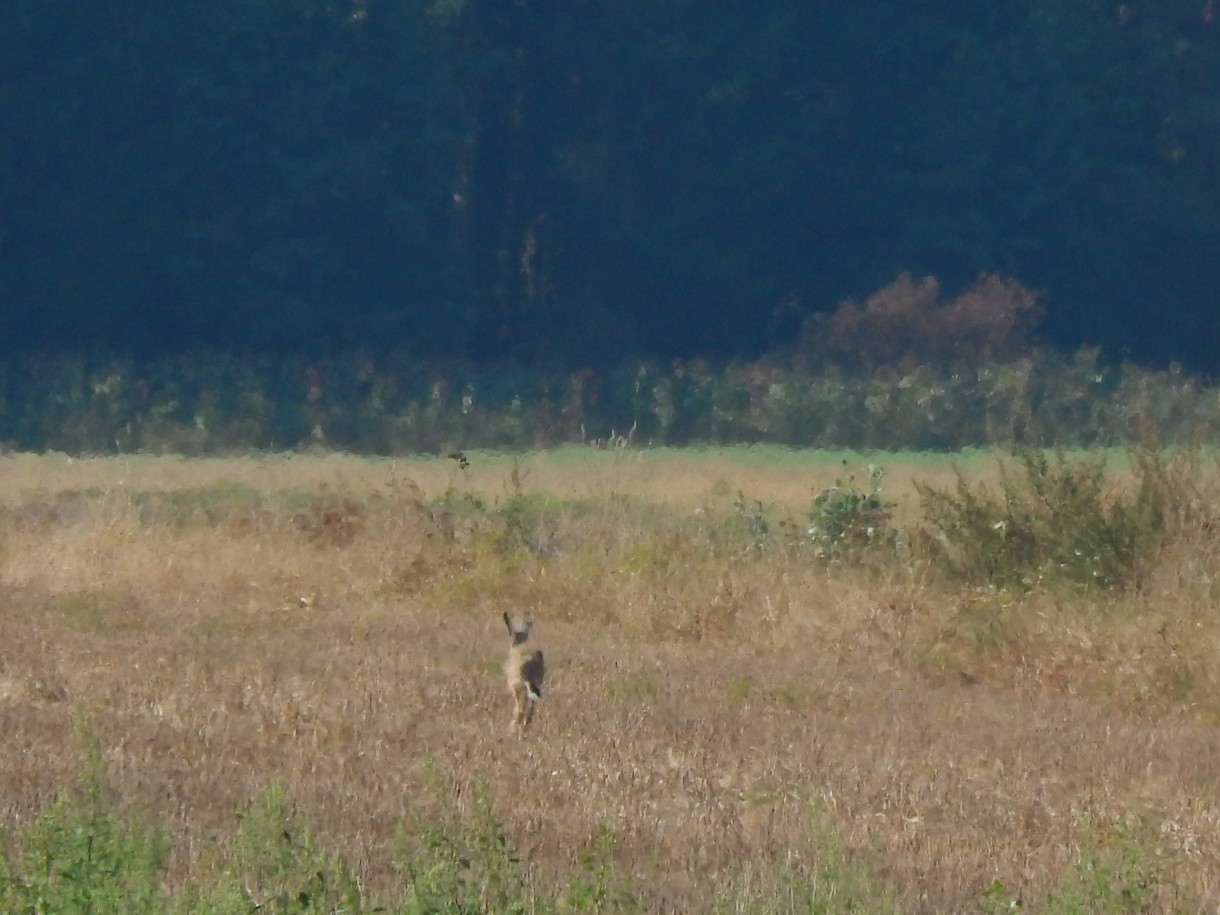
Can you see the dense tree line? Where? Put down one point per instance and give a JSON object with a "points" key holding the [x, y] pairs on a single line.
{"points": [[576, 181]]}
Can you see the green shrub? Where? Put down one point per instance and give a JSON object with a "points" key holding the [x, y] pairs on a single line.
{"points": [[846, 521], [1118, 872], [462, 865], [78, 857], [1055, 520], [280, 867], [597, 887]]}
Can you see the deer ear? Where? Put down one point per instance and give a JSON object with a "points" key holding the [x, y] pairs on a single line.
{"points": [[508, 623]]}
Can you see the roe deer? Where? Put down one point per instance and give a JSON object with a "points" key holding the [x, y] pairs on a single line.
{"points": [[524, 670]]}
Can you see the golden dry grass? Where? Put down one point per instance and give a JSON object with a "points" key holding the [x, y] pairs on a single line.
{"points": [[326, 621], [682, 478]]}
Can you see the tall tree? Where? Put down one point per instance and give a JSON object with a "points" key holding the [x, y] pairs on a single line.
{"points": [[250, 173]]}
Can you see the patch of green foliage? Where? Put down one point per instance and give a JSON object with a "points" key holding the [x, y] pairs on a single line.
{"points": [[281, 867], [461, 865], [464, 863], [846, 521], [597, 885], [518, 524], [212, 504], [1117, 872], [82, 856], [1056, 520], [78, 857], [830, 881]]}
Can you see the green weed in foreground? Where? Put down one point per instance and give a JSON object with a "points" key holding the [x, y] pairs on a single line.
{"points": [[78, 858], [465, 864], [1118, 871], [281, 867], [829, 881], [461, 865], [81, 857]]}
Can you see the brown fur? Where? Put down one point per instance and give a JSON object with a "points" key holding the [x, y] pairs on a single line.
{"points": [[524, 669]]}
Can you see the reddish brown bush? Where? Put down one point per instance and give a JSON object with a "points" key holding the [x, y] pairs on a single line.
{"points": [[905, 323]]}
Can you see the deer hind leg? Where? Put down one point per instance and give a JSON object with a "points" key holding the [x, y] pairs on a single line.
{"points": [[521, 711]]}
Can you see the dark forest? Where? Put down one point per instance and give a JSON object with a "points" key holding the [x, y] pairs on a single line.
{"points": [[578, 182]]}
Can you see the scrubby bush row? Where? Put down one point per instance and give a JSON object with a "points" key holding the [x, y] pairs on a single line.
{"points": [[900, 370], [1061, 520], [1051, 520], [209, 403]]}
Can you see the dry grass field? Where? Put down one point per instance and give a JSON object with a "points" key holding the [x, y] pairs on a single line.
{"points": [[727, 725]]}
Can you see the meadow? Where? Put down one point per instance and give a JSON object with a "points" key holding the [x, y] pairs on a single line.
{"points": [[778, 681]]}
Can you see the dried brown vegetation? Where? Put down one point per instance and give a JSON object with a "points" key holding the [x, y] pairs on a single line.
{"points": [[906, 324], [712, 706]]}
